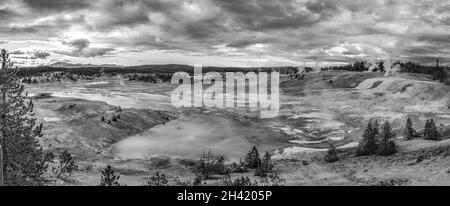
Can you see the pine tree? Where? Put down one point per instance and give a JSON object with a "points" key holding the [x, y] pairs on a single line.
{"points": [[1, 165], [427, 128], [265, 167], [66, 165], [431, 131], [331, 154], [23, 158], [409, 132], [252, 160], [238, 167], [205, 165], [368, 143], [441, 72], [108, 177], [387, 143], [219, 166]]}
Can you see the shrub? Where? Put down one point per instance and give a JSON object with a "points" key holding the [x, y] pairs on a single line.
{"points": [[114, 118], [242, 181], [197, 180], [49, 157], [331, 155], [209, 165], [276, 179], [178, 182], [158, 179], [108, 177]]}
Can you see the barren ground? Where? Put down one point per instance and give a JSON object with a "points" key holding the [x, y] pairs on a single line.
{"points": [[329, 107]]}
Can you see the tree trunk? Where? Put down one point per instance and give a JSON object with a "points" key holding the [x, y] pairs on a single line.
{"points": [[1, 165]]}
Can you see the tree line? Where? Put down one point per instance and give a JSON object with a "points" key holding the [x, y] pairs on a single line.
{"points": [[437, 71], [381, 140]]}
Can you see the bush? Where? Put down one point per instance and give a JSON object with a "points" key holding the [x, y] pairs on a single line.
{"points": [[209, 165], [276, 179], [197, 181], [66, 165], [242, 181], [331, 154], [178, 182], [158, 179], [49, 157], [108, 177]]}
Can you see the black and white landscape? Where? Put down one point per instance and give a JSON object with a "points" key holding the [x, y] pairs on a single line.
{"points": [[364, 92]]}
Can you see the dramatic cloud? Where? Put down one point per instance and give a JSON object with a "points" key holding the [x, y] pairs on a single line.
{"points": [[79, 44], [81, 49], [56, 5], [41, 55], [225, 32]]}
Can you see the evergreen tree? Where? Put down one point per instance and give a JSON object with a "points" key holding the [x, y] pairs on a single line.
{"points": [[368, 143], [265, 167], [219, 166], [205, 165], [252, 160], [209, 165], [380, 65], [409, 132], [387, 143], [441, 74], [431, 131], [238, 167], [331, 154], [66, 165], [108, 177], [23, 161]]}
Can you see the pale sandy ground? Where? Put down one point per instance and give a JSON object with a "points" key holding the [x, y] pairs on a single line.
{"points": [[314, 113]]}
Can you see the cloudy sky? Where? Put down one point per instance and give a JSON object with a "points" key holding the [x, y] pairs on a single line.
{"points": [[224, 32]]}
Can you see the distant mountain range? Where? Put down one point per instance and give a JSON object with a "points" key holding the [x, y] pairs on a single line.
{"points": [[158, 68], [72, 65]]}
